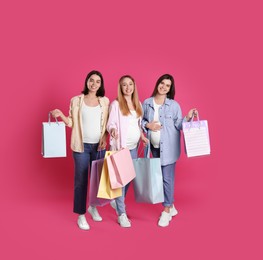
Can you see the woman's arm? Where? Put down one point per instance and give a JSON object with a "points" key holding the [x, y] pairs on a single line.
{"points": [[113, 120], [58, 113]]}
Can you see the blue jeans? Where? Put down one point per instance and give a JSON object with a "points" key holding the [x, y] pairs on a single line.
{"points": [[82, 166], [120, 201], [168, 172]]}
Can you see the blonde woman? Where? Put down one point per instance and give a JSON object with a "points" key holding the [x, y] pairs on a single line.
{"points": [[124, 127]]}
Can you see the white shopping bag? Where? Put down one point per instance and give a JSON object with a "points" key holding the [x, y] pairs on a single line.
{"points": [[53, 139], [196, 138]]}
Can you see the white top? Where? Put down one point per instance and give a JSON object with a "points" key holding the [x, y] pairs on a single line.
{"points": [[91, 117], [155, 135], [134, 133]]}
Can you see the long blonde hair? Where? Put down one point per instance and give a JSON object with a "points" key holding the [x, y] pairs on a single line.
{"points": [[135, 99]]}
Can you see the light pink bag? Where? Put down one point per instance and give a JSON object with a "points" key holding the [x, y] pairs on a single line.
{"points": [[121, 169]]}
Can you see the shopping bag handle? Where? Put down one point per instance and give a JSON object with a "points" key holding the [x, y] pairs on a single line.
{"points": [[191, 122], [197, 117], [116, 145], [140, 152], [49, 118], [147, 151]]}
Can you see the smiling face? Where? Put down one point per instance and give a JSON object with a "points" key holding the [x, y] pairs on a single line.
{"points": [[127, 86], [164, 86], [94, 83]]}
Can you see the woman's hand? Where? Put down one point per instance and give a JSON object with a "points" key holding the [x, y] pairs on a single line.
{"points": [[192, 113], [56, 113], [114, 133], [154, 126], [102, 143], [144, 140]]}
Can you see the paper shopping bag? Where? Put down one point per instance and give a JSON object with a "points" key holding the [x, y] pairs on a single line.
{"points": [[53, 139], [105, 191], [148, 183], [95, 174], [196, 138], [121, 169]]}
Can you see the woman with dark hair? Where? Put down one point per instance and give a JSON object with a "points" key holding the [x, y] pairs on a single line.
{"points": [[162, 121], [124, 126], [87, 117]]}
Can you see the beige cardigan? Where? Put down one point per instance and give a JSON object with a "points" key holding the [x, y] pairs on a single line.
{"points": [[75, 120]]}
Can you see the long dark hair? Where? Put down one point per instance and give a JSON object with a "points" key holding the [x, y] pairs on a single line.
{"points": [[171, 92], [101, 91]]}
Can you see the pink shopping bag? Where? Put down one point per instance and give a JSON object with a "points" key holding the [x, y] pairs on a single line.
{"points": [[105, 191], [121, 168]]}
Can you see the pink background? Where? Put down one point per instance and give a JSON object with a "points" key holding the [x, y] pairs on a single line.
{"points": [[214, 51]]}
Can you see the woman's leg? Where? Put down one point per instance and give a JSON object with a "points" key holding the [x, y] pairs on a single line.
{"points": [[168, 172], [81, 161], [168, 186], [120, 201], [168, 180], [95, 155]]}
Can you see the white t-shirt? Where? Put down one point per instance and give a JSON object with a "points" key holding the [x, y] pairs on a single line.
{"points": [[91, 117], [134, 133], [155, 135]]}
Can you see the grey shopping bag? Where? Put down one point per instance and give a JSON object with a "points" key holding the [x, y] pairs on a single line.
{"points": [[53, 139], [148, 183]]}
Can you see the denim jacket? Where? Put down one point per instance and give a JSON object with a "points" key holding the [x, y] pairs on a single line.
{"points": [[170, 117]]}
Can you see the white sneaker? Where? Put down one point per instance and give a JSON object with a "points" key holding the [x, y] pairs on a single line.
{"points": [[114, 206], [82, 222], [173, 211], [164, 219], [94, 213], [124, 221]]}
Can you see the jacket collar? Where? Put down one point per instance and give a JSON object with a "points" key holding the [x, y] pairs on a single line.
{"points": [[149, 102]]}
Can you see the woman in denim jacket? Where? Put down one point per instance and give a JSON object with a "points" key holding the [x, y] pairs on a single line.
{"points": [[162, 121], [87, 117]]}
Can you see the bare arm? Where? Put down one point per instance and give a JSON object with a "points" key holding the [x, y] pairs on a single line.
{"points": [[58, 113]]}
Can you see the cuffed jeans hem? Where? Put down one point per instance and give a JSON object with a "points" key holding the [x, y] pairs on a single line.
{"points": [[167, 205], [79, 212]]}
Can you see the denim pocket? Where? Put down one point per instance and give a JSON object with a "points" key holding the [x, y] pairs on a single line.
{"points": [[169, 120]]}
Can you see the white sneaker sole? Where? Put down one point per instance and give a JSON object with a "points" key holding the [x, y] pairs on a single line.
{"points": [[83, 228], [124, 226], [163, 225], [128, 226]]}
